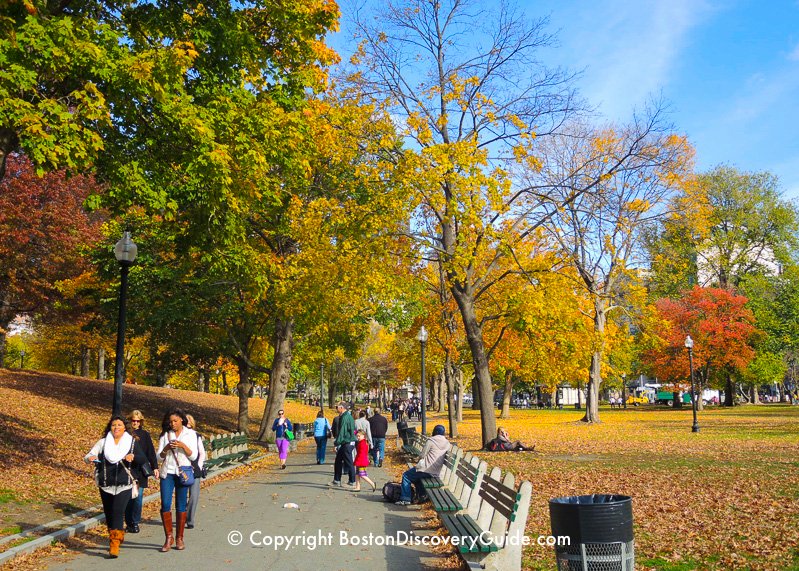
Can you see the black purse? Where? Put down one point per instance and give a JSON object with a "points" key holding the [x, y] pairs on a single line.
{"points": [[147, 470]]}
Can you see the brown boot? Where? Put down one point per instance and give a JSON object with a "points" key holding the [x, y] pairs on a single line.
{"points": [[113, 550], [181, 526], [166, 519]]}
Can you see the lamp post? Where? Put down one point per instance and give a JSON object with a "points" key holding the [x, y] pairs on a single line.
{"points": [[22, 359], [125, 252], [422, 339], [689, 344]]}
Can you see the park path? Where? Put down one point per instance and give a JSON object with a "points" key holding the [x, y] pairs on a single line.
{"points": [[254, 505]]}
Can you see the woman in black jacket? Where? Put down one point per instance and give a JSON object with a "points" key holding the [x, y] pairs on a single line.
{"points": [[142, 470]]}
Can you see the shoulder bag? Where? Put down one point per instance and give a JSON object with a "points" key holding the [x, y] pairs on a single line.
{"points": [[185, 473]]}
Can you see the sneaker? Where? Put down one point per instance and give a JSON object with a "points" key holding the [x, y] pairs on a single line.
{"points": [[335, 483], [402, 503]]}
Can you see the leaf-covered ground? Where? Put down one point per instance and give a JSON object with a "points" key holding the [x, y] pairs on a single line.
{"points": [[48, 422], [725, 498]]}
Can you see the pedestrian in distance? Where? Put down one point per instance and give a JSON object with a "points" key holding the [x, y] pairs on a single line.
{"points": [[113, 455], [280, 427], [345, 446], [141, 472], [321, 432], [362, 461], [378, 425], [198, 466], [177, 447]]}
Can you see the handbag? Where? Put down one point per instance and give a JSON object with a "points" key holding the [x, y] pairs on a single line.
{"points": [[289, 435], [147, 470], [134, 493], [185, 473]]}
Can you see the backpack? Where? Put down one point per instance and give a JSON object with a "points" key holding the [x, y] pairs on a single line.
{"points": [[393, 490]]}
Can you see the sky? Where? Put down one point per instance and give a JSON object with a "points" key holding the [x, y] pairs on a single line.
{"points": [[728, 71]]}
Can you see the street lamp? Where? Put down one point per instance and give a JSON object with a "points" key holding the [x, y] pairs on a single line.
{"points": [[422, 338], [125, 252], [689, 344]]}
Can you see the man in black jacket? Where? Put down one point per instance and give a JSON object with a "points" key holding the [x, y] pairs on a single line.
{"points": [[378, 425]]}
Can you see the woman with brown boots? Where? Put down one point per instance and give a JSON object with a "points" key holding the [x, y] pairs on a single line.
{"points": [[177, 448], [113, 455]]}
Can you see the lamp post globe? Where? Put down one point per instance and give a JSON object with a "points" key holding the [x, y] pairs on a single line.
{"points": [[422, 339], [125, 252], [689, 344]]}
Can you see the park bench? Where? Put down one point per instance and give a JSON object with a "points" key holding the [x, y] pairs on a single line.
{"points": [[450, 462], [460, 493], [415, 443], [302, 430], [501, 511], [225, 449]]}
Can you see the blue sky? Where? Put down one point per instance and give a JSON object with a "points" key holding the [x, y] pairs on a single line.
{"points": [[728, 69]]}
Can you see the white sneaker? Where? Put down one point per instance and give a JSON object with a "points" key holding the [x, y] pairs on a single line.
{"points": [[334, 483]]}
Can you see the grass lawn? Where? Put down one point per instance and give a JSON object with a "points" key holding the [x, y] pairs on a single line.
{"points": [[725, 498]]}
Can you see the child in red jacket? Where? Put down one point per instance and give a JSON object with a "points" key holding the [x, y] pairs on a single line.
{"points": [[362, 460]]}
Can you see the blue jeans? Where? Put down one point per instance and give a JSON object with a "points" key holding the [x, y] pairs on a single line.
{"points": [[378, 450], [412, 477], [170, 485], [321, 447], [133, 511]]}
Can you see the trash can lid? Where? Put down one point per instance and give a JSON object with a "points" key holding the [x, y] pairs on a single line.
{"points": [[592, 499]]}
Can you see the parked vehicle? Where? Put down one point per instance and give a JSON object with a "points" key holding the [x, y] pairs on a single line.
{"points": [[636, 400]]}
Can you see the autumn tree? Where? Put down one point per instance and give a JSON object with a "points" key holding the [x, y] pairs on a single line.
{"points": [[43, 231], [631, 174], [465, 83], [722, 328]]}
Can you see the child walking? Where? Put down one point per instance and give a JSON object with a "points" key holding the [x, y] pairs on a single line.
{"points": [[362, 461]]}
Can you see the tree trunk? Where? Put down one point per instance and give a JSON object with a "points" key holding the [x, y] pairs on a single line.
{"points": [[595, 374], [507, 396], [101, 363], [449, 381], [201, 379], [729, 395], [754, 395], [243, 389], [434, 384], [461, 387], [85, 361], [283, 344], [783, 394], [474, 335], [475, 395], [2, 347], [225, 388], [206, 381]]}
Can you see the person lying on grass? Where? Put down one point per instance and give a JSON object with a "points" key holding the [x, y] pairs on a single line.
{"points": [[502, 443]]}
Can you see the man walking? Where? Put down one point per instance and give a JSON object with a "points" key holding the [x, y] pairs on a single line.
{"points": [[379, 425], [345, 445]]}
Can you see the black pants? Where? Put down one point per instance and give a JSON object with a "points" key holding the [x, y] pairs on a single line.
{"points": [[344, 462], [114, 508]]}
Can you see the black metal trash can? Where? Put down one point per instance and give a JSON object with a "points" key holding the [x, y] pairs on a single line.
{"points": [[402, 428], [600, 529]]}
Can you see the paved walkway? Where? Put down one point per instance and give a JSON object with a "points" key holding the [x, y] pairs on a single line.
{"points": [[253, 507]]}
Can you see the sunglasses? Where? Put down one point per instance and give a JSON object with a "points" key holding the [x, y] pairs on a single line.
{"points": [[132, 421], [280, 412]]}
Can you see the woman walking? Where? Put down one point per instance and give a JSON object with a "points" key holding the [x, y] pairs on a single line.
{"points": [[141, 472], [280, 426], [194, 490], [113, 455], [321, 432], [177, 447]]}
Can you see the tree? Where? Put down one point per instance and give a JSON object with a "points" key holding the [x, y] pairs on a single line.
{"points": [[466, 86], [722, 329], [43, 231], [631, 173]]}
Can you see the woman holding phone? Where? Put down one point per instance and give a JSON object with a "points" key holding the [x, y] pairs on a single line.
{"points": [[177, 447]]}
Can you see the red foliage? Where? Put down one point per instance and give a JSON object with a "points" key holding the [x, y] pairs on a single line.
{"points": [[720, 325], [43, 227]]}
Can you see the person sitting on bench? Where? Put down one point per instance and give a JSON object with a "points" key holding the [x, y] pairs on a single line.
{"points": [[503, 444]]}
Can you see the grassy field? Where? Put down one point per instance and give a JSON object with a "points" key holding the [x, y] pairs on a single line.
{"points": [[726, 498]]}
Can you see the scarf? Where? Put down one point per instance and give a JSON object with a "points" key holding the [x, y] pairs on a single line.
{"points": [[113, 452]]}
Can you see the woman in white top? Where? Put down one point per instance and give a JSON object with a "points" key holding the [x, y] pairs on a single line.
{"points": [[113, 455], [177, 447]]}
